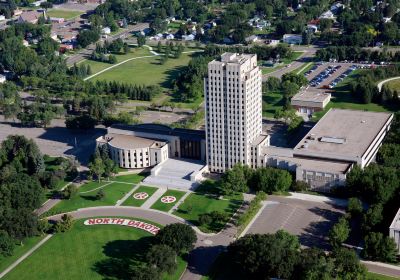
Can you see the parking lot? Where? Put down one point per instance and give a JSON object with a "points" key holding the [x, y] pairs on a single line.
{"points": [[309, 220], [330, 74]]}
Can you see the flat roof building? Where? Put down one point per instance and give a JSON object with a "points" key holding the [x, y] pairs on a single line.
{"points": [[310, 101], [345, 135], [394, 230]]}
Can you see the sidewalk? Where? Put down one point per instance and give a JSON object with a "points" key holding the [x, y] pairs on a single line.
{"points": [[319, 198], [152, 199]]}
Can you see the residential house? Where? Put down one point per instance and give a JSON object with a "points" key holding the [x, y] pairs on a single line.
{"points": [[30, 17], [294, 39], [2, 79]]}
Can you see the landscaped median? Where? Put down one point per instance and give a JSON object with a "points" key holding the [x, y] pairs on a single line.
{"points": [[255, 205], [139, 196], [168, 200], [93, 251]]}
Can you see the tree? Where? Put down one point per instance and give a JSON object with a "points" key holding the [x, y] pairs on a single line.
{"points": [[234, 180], [264, 256], [65, 224], [379, 248], [100, 194], [6, 244], [145, 273], [354, 207], [162, 257], [70, 191], [141, 40], [80, 122], [97, 167], [179, 237], [205, 219], [269, 180], [339, 233], [347, 265]]}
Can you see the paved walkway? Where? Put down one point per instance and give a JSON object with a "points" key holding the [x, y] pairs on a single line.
{"points": [[152, 199], [122, 200], [27, 254], [179, 202], [380, 84], [130, 59]]}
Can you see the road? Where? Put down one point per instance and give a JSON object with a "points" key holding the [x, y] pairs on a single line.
{"points": [[307, 56], [207, 248], [83, 54]]}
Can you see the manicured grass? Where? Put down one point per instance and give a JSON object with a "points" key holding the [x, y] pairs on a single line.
{"points": [[97, 66], [130, 178], [272, 101], [63, 13], [89, 252], [201, 203], [131, 201], [158, 205], [87, 196], [147, 71], [19, 250], [394, 85], [343, 99], [308, 66], [375, 276]]}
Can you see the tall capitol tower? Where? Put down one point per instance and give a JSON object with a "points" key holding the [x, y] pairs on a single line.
{"points": [[233, 98]]}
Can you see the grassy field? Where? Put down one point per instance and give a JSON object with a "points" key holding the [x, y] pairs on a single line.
{"points": [[63, 13], [97, 66], [90, 253], [131, 178], [158, 205], [201, 203], [343, 99], [146, 71], [394, 85], [272, 101], [131, 201], [19, 250], [86, 196], [375, 276]]}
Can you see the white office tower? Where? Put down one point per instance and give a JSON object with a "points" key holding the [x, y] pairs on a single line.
{"points": [[233, 111]]}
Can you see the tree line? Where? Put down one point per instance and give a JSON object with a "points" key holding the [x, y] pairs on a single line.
{"points": [[24, 181], [355, 53]]}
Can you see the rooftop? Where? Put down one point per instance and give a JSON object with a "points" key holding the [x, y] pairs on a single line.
{"points": [[396, 221], [343, 133], [232, 58], [187, 134], [311, 96], [130, 142], [318, 165]]}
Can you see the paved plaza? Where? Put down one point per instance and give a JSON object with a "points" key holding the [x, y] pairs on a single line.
{"points": [[174, 173]]}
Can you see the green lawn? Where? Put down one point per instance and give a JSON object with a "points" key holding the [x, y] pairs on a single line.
{"points": [[158, 205], [97, 66], [375, 276], [131, 178], [19, 250], [200, 203], [86, 196], [63, 13], [272, 101], [343, 99], [131, 201], [307, 66], [90, 253], [146, 71]]}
